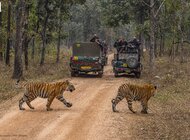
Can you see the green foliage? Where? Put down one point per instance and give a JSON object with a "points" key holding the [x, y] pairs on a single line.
{"points": [[115, 12]]}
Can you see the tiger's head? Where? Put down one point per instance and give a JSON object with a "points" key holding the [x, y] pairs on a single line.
{"points": [[153, 89], [150, 90], [70, 86]]}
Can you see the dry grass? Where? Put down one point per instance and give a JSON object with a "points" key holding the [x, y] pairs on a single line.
{"points": [[49, 72], [169, 116]]}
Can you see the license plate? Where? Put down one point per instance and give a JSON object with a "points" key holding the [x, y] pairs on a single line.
{"points": [[127, 71], [86, 67], [124, 65]]}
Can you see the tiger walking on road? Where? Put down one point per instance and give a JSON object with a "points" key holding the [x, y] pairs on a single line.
{"points": [[45, 90], [134, 93]]}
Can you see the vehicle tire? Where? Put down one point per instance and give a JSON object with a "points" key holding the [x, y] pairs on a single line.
{"points": [[100, 74], [132, 62], [106, 61], [116, 74], [138, 74], [73, 74]]}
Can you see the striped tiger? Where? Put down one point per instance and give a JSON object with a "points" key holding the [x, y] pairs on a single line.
{"points": [[45, 90], [134, 93]]}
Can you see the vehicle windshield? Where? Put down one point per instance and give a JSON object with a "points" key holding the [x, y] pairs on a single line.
{"points": [[86, 49]]}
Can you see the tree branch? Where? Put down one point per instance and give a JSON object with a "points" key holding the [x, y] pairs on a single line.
{"points": [[185, 41], [145, 3], [150, 6], [159, 8]]}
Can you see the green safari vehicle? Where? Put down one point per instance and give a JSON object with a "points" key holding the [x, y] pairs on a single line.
{"points": [[86, 58]]}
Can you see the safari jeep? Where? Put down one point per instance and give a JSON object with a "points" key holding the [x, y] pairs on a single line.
{"points": [[86, 58], [127, 61]]}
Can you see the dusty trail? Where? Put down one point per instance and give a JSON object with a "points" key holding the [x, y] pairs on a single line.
{"points": [[90, 118]]}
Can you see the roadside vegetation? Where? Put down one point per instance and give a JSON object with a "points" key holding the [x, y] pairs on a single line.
{"points": [[50, 71], [169, 114]]}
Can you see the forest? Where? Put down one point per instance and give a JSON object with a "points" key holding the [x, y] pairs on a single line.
{"points": [[27, 26], [36, 39]]}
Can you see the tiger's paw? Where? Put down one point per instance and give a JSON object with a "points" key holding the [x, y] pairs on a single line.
{"points": [[69, 104], [116, 111], [49, 109], [132, 111], [144, 112], [32, 108], [22, 108]]}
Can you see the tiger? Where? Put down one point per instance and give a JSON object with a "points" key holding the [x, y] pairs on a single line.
{"points": [[132, 93], [45, 90]]}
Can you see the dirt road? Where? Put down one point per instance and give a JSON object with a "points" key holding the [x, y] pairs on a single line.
{"points": [[90, 117]]}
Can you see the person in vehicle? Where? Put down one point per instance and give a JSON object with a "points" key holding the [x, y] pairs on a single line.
{"points": [[95, 38], [137, 44], [120, 43]]}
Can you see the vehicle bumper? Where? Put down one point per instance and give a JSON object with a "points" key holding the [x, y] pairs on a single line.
{"points": [[91, 69], [125, 70]]}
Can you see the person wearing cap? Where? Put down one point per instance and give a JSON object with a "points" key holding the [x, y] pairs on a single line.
{"points": [[119, 43], [95, 38], [135, 42]]}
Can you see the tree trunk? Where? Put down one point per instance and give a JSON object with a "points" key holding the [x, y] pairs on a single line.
{"points": [[44, 38], [18, 67], [177, 49], [58, 46], [172, 51], [141, 20], [7, 56], [1, 39], [33, 48], [182, 50], [142, 40], [59, 38], [152, 38], [26, 36], [162, 43], [181, 40], [86, 23], [155, 48], [43, 51]]}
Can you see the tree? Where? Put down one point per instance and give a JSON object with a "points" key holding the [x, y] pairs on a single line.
{"points": [[7, 56], [26, 38], [1, 44], [18, 66]]}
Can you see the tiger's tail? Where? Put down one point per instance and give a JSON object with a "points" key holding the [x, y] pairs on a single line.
{"points": [[113, 101], [113, 105]]}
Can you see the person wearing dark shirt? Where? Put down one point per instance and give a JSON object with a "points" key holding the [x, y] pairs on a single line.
{"points": [[135, 42], [120, 43], [95, 38]]}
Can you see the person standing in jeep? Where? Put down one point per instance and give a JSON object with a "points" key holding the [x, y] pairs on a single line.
{"points": [[137, 44], [119, 43], [95, 38]]}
